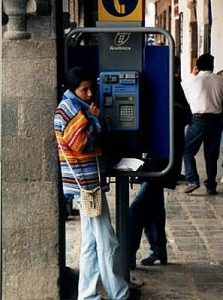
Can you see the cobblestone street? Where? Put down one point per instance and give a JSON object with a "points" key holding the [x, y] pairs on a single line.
{"points": [[195, 245]]}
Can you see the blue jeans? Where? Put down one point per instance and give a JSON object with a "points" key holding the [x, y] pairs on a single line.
{"points": [[147, 212], [100, 257], [206, 130]]}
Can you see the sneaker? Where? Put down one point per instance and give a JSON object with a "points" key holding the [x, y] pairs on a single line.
{"points": [[211, 192], [191, 187], [150, 260]]}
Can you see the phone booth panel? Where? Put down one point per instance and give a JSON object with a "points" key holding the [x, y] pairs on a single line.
{"points": [[86, 57], [156, 121]]}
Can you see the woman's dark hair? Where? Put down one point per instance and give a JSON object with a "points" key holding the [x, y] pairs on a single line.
{"points": [[76, 75], [205, 62]]}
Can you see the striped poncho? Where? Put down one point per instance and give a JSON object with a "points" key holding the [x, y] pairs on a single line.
{"points": [[78, 133]]}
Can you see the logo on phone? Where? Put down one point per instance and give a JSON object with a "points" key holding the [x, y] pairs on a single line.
{"points": [[121, 38]]}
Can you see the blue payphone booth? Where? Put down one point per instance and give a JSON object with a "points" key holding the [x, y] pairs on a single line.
{"points": [[139, 109], [138, 104]]}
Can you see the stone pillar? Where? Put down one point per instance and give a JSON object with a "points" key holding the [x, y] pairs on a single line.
{"points": [[30, 205], [17, 23], [32, 225]]}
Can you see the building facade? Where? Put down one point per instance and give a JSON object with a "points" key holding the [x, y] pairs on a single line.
{"points": [[195, 27]]}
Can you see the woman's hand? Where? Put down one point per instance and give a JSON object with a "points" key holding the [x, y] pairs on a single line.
{"points": [[94, 110]]}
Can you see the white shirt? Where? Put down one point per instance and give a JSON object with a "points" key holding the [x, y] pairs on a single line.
{"points": [[204, 92]]}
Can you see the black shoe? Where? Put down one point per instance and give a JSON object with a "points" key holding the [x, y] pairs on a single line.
{"points": [[150, 260], [191, 187], [211, 192]]}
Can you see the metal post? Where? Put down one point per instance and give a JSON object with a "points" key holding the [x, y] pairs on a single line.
{"points": [[122, 228]]}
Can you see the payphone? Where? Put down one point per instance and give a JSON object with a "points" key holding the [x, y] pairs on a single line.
{"points": [[127, 69], [119, 99], [121, 103], [135, 97]]}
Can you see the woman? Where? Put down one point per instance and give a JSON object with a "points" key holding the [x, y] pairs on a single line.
{"points": [[78, 129]]}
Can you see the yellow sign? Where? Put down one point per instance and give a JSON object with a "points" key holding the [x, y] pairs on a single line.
{"points": [[121, 10]]}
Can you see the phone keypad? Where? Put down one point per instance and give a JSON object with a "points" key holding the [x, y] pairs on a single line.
{"points": [[126, 112]]}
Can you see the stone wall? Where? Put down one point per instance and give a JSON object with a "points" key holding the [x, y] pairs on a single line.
{"points": [[30, 206]]}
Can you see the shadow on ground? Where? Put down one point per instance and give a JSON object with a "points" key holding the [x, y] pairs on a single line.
{"points": [[69, 285], [181, 282]]}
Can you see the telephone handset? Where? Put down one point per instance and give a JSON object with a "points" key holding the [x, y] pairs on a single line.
{"points": [[119, 99]]}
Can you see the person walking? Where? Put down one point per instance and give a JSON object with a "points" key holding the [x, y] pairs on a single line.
{"points": [[204, 92], [147, 210], [78, 129]]}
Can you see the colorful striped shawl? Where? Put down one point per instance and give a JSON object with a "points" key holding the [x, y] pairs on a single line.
{"points": [[78, 133]]}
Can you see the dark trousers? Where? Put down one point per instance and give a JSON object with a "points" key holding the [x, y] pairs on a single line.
{"points": [[206, 130], [147, 212]]}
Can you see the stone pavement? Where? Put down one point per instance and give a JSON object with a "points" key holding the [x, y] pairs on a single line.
{"points": [[195, 246]]}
